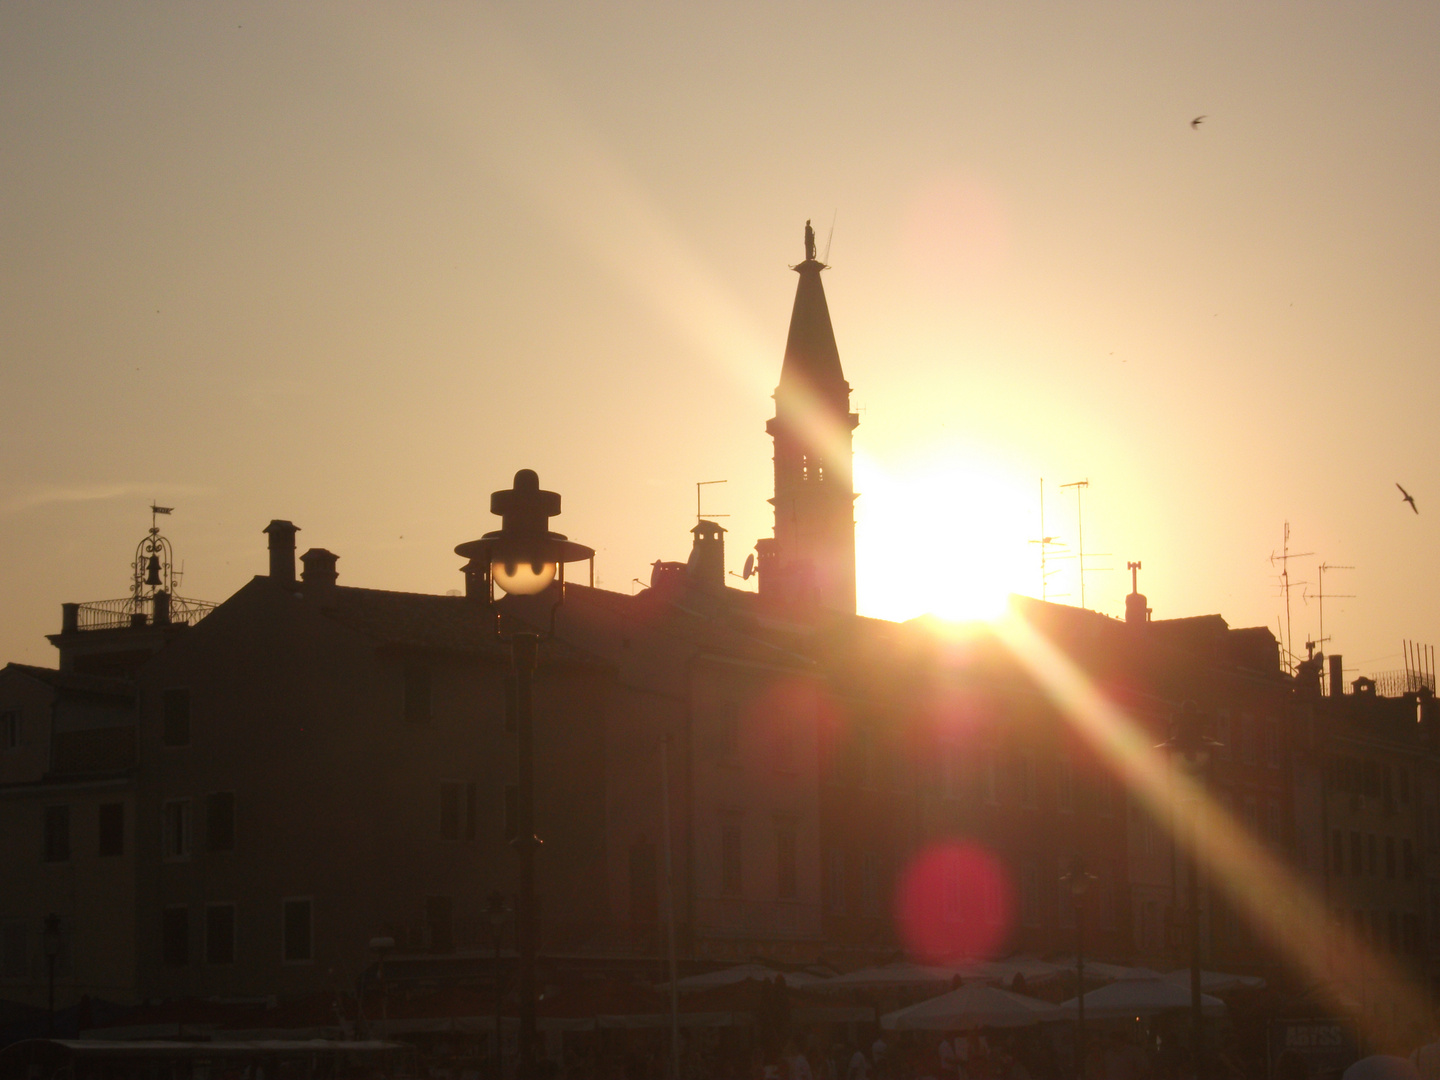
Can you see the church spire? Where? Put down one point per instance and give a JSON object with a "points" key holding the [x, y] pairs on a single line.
{"points": [[812, 557]]}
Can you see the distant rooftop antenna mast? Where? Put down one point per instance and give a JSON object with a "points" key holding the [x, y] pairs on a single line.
{"points": [[1046, 542], [1080, 486], [826, 257], [1322, 594], [1284, 560], [698, 485]]}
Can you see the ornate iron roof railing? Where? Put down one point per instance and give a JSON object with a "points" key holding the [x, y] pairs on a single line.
{"points": [[1400, 682], [119, 614]]}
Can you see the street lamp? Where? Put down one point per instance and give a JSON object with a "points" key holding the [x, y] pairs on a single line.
{"points": [[1078, 880], [1190, 747], [382, 947], [524, 558], [50, 940], [497, 911]]}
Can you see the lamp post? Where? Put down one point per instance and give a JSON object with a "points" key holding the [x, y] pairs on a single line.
{"points": [[496, 911], [524, 558], [50, 940], [381, 947], [1190, 748], [1078, 879]]}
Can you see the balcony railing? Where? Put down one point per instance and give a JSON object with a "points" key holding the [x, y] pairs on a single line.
{"points": [[1401, 682], [127, 612]]}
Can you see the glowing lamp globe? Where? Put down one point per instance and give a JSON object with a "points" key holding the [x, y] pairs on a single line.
{"points": [[523, 557]]}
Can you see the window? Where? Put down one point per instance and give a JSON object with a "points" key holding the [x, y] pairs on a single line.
{"points": [[9, 729], [1274, 827], [1025, 774], [1407, 860], [1357, 855], [835, 879], [175, 713], [439, 924], [783, 748], [175, 936], [14, 958], [417, 692], [1222, 734], [1272, 744], [1337, 852], [1065, 899], [1107, 795], [1372, 860], [57, 833], [175, 829], [785, 884], [298, 930], [730, 855], [727, 733], [1404, 786], [1247, 739], [471, 814], [220, 821], [1390, 857], [112, 829], [220, 934]]}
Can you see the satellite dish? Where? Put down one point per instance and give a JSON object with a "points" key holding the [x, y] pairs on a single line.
{"points": [[749, 567]]}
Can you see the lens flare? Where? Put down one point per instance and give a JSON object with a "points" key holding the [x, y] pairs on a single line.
{"points": [[954, 903]]}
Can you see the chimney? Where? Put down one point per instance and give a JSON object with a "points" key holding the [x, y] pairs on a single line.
{"points": [[319, 574], [1337, 676], [69, 618], [1136, 613], [282, 551], [160, 613], [706, 566]]}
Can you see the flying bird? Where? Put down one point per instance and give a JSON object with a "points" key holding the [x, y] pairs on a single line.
{"points": [[1408, 498], [1197, 122]]}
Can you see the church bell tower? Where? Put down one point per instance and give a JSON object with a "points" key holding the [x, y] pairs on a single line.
{"points": [[811, 559]]}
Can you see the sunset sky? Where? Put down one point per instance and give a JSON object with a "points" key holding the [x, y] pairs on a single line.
{"points": [[353, 265]]}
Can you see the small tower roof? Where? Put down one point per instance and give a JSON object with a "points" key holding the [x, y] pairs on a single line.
{"points": [[810, 352]]}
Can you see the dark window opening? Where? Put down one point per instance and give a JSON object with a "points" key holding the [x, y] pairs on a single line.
{"points": [[470, 812], [439, 924], [417, 692], [175, 708], [220, 934], [512, 813], [449, 810], [730, 865], [220, 821], [57, 833], [785, 874], [175, 937], [112, 829], [298, 931]]}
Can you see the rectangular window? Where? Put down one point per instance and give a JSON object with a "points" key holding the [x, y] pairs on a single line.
{"points": [[471, 814], [835, 880], [175, 829], [785, 883], [1065, 899], [14, 958], [9, 729], [1372, 855], [112, 829], [220, 934], [175, 715], [1028, 785], [440, 924], [298, 930], [730, 855], [220, 821], [1274, 827], [1272, 744], [1390, 867], [450, 795], [1029, 894], [1357, 855], [1404, 786], [57, 833], [175, 936], [727, 733], [1222, 734], [1247, 740], [1337, 852], [1408, 859], [417, 692]]}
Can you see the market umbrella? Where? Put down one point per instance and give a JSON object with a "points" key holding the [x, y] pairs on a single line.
{"points": [[738, 974], [1381, 1067], [1140, 997], [1217, 982], [972, 1005]]}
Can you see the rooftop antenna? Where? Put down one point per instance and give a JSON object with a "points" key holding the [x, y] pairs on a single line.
{"points": [[1046, 542], [1080, 486], [1284, 560], [698, 485], [1322, 594], [826, 257]]}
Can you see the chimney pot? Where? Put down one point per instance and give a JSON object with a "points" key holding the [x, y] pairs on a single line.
{"points": [[319, 572], [69, 618], [282, 551]]}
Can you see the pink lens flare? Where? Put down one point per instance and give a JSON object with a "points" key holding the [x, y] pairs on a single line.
{"points": [[953, 903]]}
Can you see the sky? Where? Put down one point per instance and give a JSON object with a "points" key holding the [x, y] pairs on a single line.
{"points": [[353, 265]]}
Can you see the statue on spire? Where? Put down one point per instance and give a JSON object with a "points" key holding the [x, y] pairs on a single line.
{"points": [[809, 242]]}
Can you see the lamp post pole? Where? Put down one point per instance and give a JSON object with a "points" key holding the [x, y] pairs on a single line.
{"points": [[1197, 1019], [381, 947], [523, 649], [1079, 879], [51, 941], [495, 909]]}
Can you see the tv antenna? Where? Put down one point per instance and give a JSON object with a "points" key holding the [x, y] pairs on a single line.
{"points": [[698, 485], [1046, 542], [826, 257], [1322, 595], [1284, 560], [1080, 486]]}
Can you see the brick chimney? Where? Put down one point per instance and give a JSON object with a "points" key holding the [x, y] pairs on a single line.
{"points": [[1337, 676], [282, 551], [319, 574], [706, 567]]}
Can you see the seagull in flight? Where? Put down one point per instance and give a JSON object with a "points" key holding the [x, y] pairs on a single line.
{"points": [[1408, 498], [1197, 122]]}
